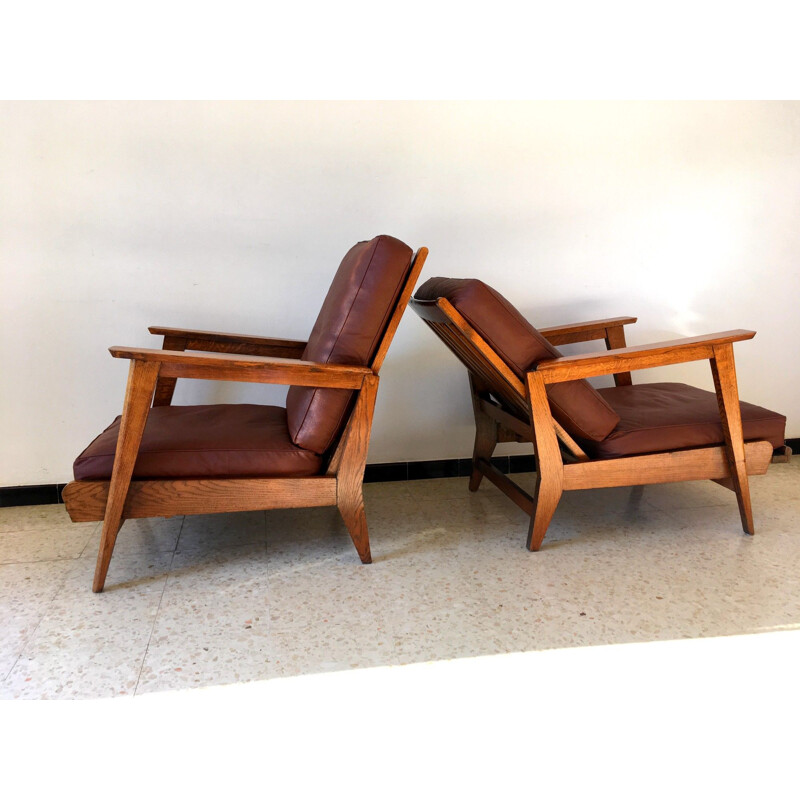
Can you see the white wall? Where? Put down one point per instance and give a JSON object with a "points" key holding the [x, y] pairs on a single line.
{"points": [[233, 216]]}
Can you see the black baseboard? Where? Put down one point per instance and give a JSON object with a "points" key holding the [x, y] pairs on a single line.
{"points": [[42, 495], [50, 493]]}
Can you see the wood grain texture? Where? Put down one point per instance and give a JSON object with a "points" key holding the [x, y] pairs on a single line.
{"points": [[482, 360], [724, 371], [417, 263], [510, 427], [142, 377], [510, 489], [351, 464], [583, 331], [257, 369], [165, 387], [214, 340], [682, 465], [615, 340], [487, 431], [86, 500], [677, 351], [549, 464]]}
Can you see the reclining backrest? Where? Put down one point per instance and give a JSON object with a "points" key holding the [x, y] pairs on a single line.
{"points": [[576, 405], [348, 330]]}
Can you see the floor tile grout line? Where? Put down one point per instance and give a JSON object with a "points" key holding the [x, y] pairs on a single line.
{"points": [[270, 632], [38, 561], [158, 610], [42, 618]]}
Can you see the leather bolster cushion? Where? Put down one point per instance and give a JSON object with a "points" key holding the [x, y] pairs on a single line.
{"points": [[575, 404], [219, 441], [348, 330], [659, 417]]}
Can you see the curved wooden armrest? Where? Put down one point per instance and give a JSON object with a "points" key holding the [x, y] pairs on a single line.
{"points": [[644, 356], [250, 369], [219, 342], [583, 331]]}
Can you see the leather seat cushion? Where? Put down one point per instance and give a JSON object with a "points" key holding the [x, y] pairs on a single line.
{"points": [[575, 404], [219, 441], [348, 330], [659, 417]]}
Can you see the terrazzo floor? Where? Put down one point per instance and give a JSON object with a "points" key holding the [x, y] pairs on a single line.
{"points": [[228, 599]]}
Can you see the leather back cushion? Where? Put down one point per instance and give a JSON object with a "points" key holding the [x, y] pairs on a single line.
{"points": [[576, 405], [348, 330]]}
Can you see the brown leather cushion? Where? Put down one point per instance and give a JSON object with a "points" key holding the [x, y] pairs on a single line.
{"points": [[347, 331], [658, 417], [220, 441], [575, 404]]}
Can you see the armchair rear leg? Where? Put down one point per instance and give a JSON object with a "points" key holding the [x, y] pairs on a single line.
{"points": [[724, 371], [138, 394], [486, 435], [165, 387]]}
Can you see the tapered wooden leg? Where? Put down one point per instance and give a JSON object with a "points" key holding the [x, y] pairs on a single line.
{"points": [[545, 502], [549, 464], [486, 430], [351, 507], [348, 464], [141, 383], [724, 372]]}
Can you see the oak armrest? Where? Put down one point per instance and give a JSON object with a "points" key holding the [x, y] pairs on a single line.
{"points": [[217, 341], [675, 351], [583, 331], [251, 369]]}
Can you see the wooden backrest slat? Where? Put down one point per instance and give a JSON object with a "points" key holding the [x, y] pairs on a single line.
{"points": [[482, 360], [417, 263], [474, 362]]}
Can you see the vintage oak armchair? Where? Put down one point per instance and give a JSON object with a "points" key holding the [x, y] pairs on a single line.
{"points": [[166, 460], [524, 390]]}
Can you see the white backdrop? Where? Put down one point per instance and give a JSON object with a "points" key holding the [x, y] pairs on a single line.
{"points": [[233, 216]]}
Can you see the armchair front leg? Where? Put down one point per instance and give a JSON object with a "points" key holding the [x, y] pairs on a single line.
{"points": [[723, 369], [142, 377], [549, 464]]}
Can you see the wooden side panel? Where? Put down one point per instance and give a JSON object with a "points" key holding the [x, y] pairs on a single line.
{"points": [[683, 465], [86, 500]]}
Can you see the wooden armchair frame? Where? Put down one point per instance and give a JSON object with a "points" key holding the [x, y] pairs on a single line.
{"points": [[232, 357], [509, 409]]}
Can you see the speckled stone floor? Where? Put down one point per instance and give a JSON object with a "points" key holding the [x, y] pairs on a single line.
{"points": [[228, 599]]}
